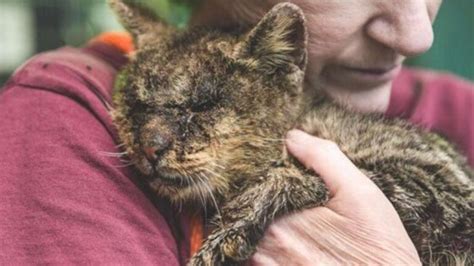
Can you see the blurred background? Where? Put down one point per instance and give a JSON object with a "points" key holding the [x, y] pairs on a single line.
{"points": [[31, 26]]}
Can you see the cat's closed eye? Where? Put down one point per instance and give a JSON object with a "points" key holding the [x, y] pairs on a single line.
{"points": [[205, 97], [202, 105]]}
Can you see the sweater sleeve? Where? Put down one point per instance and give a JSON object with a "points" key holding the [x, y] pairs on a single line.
{"points": [[439, 102], [64, 197]]}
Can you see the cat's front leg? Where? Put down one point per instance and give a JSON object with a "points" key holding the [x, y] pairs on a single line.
{"points": [[219, 248], [245, 218]]}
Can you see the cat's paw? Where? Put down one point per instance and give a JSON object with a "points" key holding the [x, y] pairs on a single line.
{"points": [[236, 247], [209, 254], [225, 247], [202, 259]]}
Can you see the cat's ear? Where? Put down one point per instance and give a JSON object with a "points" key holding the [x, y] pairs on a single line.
{"points": [[140, 21], [278, 41]]}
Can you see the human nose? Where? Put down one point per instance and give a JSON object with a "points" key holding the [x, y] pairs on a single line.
{"points": [[405, 26]]}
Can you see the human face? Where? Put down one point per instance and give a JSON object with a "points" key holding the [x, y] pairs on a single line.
{"points": [[356, 47]]}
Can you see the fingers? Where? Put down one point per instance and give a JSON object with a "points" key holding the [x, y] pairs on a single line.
{"points": [[326, 159]]}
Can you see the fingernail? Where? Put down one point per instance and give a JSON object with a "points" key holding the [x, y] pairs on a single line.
{"points": [[295, 137]]}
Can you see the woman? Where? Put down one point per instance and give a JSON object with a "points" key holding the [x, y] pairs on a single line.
{"points": [[356, 50], [65, 201]]}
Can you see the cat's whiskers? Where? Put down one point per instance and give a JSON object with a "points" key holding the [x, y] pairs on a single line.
{"points": [[215, 175], [213, 198], [122, 156], [182, 172], [201, 196], [196, 187], [201, 192], [113, 154], [125, 165]]}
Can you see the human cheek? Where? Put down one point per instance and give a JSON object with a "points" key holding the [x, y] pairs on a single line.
{"points": [[331, 33]]}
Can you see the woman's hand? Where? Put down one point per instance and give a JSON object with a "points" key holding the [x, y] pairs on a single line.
{"points": [[357, 226]]}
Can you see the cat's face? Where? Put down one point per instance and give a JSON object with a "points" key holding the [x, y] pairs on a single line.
{"points": [[197, 109]]}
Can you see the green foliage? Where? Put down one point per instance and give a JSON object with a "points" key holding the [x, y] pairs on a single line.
{"points": [[176, 12]]}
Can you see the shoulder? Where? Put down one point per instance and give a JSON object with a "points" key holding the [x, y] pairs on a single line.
{"points": [[63, 181], [72, 70], [433, 80], [430, 90], [440, 102]]}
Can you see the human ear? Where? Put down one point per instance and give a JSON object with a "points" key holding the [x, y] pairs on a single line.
{"points": [[140, 21], [278, 42]]}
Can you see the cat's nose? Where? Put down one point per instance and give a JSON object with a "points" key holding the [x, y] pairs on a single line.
{"points": [[156, 148]]}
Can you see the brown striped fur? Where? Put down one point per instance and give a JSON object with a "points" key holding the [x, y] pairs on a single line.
{"points": [[218, 104]]}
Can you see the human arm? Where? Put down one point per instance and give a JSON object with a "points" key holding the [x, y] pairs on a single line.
{"points": [[63, 199], [438, 102], [358, 225]]}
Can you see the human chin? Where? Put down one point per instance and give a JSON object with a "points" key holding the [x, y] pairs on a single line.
{"points": [[364, 97]]}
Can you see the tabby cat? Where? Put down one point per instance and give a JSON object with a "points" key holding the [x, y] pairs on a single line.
{"points": [[202, 114]]}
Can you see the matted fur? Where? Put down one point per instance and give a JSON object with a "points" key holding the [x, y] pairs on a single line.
{"points": [[213, 107]]}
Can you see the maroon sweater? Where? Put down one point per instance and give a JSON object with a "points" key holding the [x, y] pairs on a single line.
{"points": [[64, 201]]}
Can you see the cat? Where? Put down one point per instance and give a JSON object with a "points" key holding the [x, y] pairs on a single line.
{"points": [[202, 114]]}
